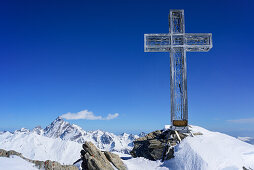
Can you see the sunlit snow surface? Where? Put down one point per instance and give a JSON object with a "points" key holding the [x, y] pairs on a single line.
{"points": [[210, 151], [42, 148], [15, 163]]}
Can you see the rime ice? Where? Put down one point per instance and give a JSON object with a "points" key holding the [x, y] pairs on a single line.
{"points": [[177, 42]]}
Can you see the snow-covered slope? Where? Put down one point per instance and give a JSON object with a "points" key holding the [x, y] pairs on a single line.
{"points": [[210, 151], [249, 140], [42, 148], [15, 163]]}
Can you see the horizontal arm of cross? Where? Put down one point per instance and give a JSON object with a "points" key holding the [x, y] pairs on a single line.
{"points": [[189, 41]]}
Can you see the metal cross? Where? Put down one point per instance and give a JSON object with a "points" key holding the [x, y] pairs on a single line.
{"points": [[177, 42]]}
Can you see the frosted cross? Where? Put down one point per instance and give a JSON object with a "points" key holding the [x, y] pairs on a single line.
{"points": [[177, 42]]}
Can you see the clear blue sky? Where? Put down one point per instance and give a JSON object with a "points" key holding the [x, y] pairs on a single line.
{"points": [[67, 56]]}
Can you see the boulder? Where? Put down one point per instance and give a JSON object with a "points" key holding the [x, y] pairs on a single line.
{"points": [[156, 145], [94, 159], [115, 160], [151, 149]]}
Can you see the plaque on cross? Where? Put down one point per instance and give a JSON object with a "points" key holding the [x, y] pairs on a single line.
{"points": [[177, 42]]}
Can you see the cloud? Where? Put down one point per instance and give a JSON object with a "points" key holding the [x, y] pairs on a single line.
{"points": [[248, 120], [85, 114], [111, 116]]}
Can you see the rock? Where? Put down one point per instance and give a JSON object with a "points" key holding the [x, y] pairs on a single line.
{"points": [[53, 165], [39, 164], [12, 152], [3, 153], [156, 149], [156, 145], [151, 149], [197, 133], [151, 135], [95, 159], [247, 168], [48, 165], [115, 160]]}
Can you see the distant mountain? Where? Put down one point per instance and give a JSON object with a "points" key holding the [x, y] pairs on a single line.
{"points": [[209, 151], [62, 129], [249, 140]]}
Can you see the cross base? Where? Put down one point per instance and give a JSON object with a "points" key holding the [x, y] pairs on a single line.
{"points": [[181, 129]]}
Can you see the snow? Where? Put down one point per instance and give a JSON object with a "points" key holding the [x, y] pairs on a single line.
{"points": [[42, 148], [15, 163], [212, 150], [142, 163], [103, 140], [249, 140]]}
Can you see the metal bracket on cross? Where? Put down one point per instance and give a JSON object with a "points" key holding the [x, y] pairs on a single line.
{"points": [[177, 42]]}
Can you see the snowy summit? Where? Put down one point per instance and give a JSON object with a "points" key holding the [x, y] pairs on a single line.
{"points": [[62, 142]]}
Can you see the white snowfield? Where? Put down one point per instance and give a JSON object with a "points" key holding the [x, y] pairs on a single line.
{"points": [[41, 148], [210, 151], [15, 163]]}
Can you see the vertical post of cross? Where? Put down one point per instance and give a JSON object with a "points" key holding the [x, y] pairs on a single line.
{"points": [[178, 77]]}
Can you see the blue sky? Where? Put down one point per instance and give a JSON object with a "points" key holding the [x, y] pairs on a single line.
{"points": [[69, 56]]}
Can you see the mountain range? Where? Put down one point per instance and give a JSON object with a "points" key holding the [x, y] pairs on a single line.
{"points": [[62, 142], [62, 129]]}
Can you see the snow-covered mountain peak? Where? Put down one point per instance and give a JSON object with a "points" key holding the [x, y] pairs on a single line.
{"points": [[62, 130], [22, 130], [57, 128], [38, 130]]}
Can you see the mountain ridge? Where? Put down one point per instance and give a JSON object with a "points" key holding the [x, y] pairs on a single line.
{"points": [[62, 129], [211, 150]]}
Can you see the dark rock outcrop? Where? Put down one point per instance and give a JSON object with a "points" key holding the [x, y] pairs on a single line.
{"points": [[156, 145]]}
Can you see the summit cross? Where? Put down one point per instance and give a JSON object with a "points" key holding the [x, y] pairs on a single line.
{"points": [[177, 42]]}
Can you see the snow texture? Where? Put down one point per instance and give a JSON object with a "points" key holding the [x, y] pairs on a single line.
{"points": [[41, 148], [15, 163], [212, 150], [209, 151]]}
